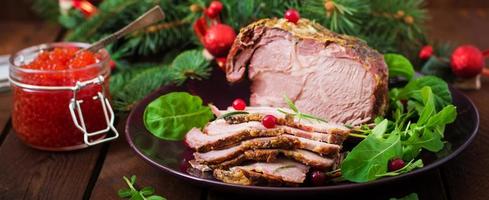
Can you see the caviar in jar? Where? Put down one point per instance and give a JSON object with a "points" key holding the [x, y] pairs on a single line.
{"points": [[41, 116]]}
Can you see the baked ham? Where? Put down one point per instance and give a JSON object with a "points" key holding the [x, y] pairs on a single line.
{"points": [[333, 76], [276, 173]]}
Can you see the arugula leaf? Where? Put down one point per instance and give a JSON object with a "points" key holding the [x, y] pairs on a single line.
{"points": [[399, 66], [147, 193], [371, 156], [172, 115]]}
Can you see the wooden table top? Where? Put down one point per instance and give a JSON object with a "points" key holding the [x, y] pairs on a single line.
{"points": [[96, 172]]}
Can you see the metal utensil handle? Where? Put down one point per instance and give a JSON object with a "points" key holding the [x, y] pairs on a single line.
{"points": [[148, 18]]}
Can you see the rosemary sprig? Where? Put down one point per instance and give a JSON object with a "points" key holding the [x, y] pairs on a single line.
{"points": [[297, 113], [229, 114], [132, 193]]}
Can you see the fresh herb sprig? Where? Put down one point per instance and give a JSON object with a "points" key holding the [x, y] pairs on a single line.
{"points": [[299, 115], [132, 193], [420, 112]]}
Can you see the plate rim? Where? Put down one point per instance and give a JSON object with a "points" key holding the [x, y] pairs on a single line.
{"points": [[326, 188]]}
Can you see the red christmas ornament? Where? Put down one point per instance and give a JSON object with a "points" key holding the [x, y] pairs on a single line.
{"points": [[218, 39], [467, 61], [426, 52], [214, 9], [292, 15], [84, 6]]}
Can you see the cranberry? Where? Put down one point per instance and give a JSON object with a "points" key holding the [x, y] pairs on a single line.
{"points": [[292, 15], [269, 121], [396, 164], [318, 178], [239, 104]]}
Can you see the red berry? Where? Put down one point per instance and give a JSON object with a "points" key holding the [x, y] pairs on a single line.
{"points": [[396, 164], [269, 121], [218, 39], [292, 15], [426, 52], [239, 104], [318, 178], [216, 6], [467, 61]]}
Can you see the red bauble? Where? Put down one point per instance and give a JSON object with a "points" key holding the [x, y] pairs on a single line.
{"points": [[292, 15], [218, 39], [467, 61], [426, 52]]}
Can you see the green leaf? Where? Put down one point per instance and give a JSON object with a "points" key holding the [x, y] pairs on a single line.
{"points": [[137, 196], [429, 105], [412, 196], [124, 193], [439, 88], [133, 179], [155, 197], [446, 116], [370, 158], [147, 191], [399, 66], [380, 129], [172, 115]]}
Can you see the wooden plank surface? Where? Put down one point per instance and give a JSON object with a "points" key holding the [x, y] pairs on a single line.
{"points": [[122, 161], [26, 173], [466, 176]]}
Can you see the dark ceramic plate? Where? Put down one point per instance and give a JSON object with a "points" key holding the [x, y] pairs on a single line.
{"points": [[171, 157]]}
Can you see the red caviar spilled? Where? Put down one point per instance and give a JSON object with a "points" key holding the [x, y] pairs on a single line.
{"points": [[41, 118]]}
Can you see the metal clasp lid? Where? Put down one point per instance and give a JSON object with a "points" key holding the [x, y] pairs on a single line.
{"points": [[74, 105], [79, 120]]}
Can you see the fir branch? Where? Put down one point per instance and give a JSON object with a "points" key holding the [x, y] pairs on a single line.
{"points": [[134, 83]]}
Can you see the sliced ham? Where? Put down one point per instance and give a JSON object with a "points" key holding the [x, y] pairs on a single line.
{"points": [[302, 156], [278, 172], [218, 156]]}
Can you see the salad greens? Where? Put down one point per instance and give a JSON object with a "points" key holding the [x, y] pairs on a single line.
{"points": [[399, 66], [146, 193], [172, 115], [419, 113]]}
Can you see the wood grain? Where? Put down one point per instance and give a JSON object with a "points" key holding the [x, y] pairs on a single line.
{"points": [[466, 176], [27, 173], [122, 161]]}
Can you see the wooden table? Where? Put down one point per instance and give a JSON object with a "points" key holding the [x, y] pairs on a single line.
{"points": [[96, 173]]}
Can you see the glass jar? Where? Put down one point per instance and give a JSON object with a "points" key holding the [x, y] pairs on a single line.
{"points": [[61, 110]]}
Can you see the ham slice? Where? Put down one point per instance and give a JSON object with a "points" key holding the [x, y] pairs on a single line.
{"points": [[204, 142], [278, 172], [209, 162]]}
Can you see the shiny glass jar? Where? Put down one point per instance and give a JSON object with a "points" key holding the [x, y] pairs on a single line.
{"points": [[61, 109]]}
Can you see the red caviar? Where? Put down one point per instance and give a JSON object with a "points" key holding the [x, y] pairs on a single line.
{"points": [[41, 118]]}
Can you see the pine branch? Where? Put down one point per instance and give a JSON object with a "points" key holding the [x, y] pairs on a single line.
{"points": [[131, 85]]}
